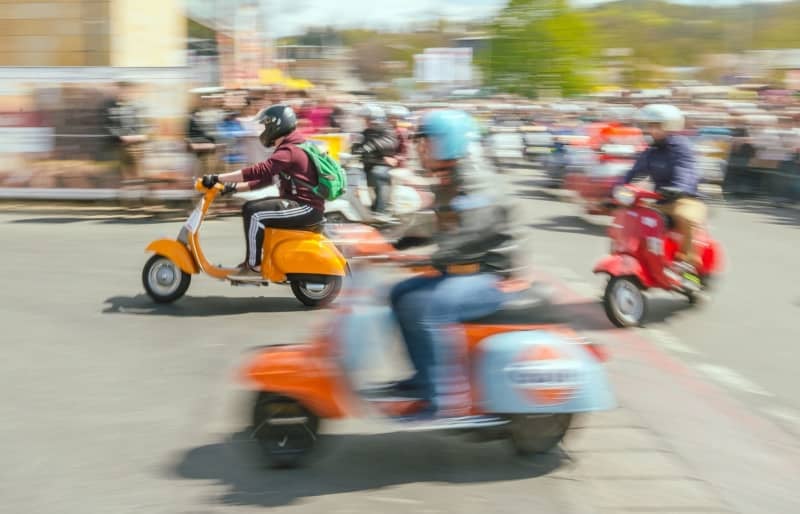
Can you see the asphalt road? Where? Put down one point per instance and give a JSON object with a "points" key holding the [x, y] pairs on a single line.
{"points": [[112, 404]]}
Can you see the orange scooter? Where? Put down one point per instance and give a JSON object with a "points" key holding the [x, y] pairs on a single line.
{"points": [[302, 258]]}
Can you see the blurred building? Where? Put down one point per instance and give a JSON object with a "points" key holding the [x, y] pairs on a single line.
{"points": [[59, 65], [326, 65], [150, 33]]}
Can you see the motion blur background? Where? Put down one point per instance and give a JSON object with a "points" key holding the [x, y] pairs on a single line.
{"points": [[729, 65], [109, 108]]}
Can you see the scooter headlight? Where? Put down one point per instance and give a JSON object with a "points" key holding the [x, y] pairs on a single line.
{"points": [[624, 196]]}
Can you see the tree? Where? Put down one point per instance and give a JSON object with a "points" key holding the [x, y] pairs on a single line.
{"points": [[537, 46]]}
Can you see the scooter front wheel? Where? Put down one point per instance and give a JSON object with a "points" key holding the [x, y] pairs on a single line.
{"points": [[285, 429], [317, 294], [624, 302], [163, 280]]}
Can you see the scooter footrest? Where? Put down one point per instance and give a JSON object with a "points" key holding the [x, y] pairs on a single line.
{"points": [[460, 423]]}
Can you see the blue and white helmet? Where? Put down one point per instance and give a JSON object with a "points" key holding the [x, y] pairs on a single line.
{"points": [[450, 131]]}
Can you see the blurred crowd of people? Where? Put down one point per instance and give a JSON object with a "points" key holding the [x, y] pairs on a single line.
{"points": [[753, 145]]}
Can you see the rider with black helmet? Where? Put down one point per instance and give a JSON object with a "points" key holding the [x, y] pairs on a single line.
{"points": [[298, 206]]}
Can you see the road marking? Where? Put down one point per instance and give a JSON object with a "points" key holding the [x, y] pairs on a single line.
{"points": [[668, 341], [784, 413], [732, 379]]}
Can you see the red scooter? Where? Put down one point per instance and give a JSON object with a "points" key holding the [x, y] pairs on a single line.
{"points": [[643, 255]]}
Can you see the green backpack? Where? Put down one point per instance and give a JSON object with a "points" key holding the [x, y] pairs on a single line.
{"points": [[332, 179]]}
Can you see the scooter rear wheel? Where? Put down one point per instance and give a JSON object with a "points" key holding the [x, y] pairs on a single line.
{"points": [[535, 433], [163, 280], [285, 429], [317, 295]]}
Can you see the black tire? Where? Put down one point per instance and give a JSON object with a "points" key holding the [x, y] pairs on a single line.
{"points": [[533, 434], [614, 311], [284, 445], [313, 299], [161, 293]]}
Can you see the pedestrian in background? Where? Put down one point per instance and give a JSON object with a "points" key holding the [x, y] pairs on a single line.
{"points": [[125, 132]]}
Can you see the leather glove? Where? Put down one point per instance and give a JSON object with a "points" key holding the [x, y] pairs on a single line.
{"points": [[229, 189], [210, 181]]}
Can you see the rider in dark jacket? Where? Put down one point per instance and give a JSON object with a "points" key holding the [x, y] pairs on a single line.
{"points": [[670, 163], [472, 256], [378, 142]]}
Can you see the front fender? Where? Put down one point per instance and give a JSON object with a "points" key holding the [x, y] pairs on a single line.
{"points": [[176, 252], [298, 372], [621, 265]]}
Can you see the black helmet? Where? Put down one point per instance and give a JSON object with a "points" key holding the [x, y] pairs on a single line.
{"points": [[278, 120]]}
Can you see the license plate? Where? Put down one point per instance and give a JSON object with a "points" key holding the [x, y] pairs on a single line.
{"points": [[194, 220]]}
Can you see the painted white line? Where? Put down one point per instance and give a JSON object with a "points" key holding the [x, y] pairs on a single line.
{"points": [[732, 379], [668, 341], [784, 413]]}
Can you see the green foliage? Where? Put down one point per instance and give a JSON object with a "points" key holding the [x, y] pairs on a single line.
{"points": [[678, 35], [538, 46]]}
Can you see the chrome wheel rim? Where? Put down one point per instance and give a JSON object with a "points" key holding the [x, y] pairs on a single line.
{"points": [[316, 291], [164, 277], [628, 302]]}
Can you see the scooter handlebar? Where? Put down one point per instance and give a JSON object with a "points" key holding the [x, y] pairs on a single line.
{"points": [[198, 185]]}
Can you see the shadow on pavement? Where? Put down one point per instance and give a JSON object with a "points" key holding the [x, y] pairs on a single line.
{"points": [[539, 194], [357, 463], [201, 306], [571, 225], [589, 314]]}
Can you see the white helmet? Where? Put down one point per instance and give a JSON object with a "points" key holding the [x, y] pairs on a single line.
{"points": [[372, 112], [398, 112], [670, 117]]}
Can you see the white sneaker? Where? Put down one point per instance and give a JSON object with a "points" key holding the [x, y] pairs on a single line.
{"points": [[246, 274]]}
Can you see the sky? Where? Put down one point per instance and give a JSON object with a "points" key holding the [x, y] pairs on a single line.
{"points": [[290, 17]]}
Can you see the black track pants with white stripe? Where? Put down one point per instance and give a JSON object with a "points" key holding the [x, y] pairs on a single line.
{"points": [[275, 213]]}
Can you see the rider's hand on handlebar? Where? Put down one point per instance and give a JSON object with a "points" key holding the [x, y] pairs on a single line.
{"points": [[210, 181], [229, 188]]}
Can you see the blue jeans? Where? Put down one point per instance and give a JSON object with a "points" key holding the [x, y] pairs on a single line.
{"points": [[380, 179], [426, 309]]}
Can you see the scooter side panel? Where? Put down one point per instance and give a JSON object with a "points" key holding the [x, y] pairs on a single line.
{"points": [[538, 372], [305, 253], [176, 252]]}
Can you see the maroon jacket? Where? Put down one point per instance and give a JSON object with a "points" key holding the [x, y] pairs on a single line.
{"points": [[288, 159], [403, 145]]}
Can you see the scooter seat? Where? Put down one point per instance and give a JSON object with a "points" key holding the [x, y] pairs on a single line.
{"points": [[316, 228], [532, 307]]}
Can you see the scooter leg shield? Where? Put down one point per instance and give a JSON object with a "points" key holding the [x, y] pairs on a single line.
{"points": [[176, 252]]}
